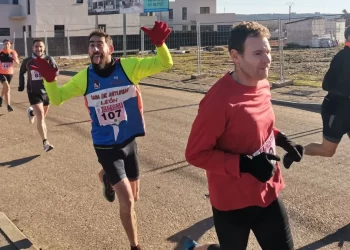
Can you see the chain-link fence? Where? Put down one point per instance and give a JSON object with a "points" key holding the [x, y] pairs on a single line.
{"points": [[301, 48]]}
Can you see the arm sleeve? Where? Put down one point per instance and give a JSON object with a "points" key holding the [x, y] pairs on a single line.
{"points": [[75, 87], [53, 64], [207, 127], [138, 68], [15, 57], [22, 71]]}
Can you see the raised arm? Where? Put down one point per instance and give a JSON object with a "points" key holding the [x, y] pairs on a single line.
{"points": [[75, 87], [139, 68]]}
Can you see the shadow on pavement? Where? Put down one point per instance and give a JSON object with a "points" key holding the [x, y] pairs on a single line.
{"points": [[176, 107], [311, 107], [195, 232], [18, 162], [22, 244], [68, 72], [71, 123], [340, 236], [165, 166], [11, 245], [306, 133]]}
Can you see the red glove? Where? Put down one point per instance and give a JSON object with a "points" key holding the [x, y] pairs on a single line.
{"points": [[46, 70], [158, 33]]}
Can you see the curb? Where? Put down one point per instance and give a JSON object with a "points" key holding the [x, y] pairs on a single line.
{"points": [[15, 236]]}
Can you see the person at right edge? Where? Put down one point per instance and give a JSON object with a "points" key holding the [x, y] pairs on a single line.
{"points": [[234, 139], [113, 97], [335, 109]]}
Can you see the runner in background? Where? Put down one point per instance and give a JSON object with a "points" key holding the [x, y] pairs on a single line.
{"points": [[8, 57]]}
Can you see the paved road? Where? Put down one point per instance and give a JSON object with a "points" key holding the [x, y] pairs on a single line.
{"points": [[56, 199]]}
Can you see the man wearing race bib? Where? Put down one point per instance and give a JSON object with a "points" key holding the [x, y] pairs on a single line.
{"points": [[37, 95], [113, 98], [234, 139], [7, 58]]}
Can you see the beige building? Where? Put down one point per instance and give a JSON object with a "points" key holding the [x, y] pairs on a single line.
{"points": [[184, 15], [59, 18], [315, 32]]}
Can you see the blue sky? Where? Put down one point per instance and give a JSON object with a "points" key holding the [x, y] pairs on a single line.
{"points": [[280, 6]]}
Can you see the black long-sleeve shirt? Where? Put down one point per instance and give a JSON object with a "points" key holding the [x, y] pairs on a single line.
{"points": [[337, 78], [35, 83]]}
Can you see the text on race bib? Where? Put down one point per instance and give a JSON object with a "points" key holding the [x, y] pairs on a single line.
{"points": [[269, 146], [6, 65], [35, 75], [111, 114]]}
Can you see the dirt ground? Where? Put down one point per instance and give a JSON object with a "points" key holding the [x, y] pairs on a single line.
{"points": [[304, 66]]}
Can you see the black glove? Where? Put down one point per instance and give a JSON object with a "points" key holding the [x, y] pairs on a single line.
{"points": [[259, 166], [20, 89], [295, 152], [288, 158]]}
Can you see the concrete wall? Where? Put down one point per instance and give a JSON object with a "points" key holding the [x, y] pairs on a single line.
{"points": [[300, 32]]}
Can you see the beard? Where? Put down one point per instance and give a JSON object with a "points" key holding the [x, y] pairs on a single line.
{"points": [[98, 60]]}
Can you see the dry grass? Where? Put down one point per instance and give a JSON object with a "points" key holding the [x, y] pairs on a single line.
{"points": [[304, 66]]}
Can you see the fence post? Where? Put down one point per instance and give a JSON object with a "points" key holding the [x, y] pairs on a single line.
{"points": [[68, 41], [280, 38], [142, 43], [199, 49], [14, 40], [25, 44], [46, 44]]}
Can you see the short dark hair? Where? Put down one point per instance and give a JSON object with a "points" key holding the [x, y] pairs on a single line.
{"points": [[6, 40], [347, 32], [240, 33], [100, 33], [37, 40]]}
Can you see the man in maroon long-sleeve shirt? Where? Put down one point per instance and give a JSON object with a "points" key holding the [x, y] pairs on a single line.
{"points": [[234, 139]]}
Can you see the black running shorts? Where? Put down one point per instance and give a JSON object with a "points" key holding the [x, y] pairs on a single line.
{"points": [[119, 162], [335, 117], [4, 78], [36, 98]]}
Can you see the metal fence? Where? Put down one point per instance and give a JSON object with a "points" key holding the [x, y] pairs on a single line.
{"points": [[301, 48]]}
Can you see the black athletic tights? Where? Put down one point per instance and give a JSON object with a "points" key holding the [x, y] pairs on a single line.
{"points": [[270, 226]]}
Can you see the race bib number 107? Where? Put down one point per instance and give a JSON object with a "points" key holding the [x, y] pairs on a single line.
{"points": [[111, 114]]}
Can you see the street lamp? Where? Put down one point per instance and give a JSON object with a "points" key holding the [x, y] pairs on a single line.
{"points": [[290, 8]]}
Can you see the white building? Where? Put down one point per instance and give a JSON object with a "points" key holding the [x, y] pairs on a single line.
{"points": [[336, 29], [313, 31], [57, 17], [184, 15]]}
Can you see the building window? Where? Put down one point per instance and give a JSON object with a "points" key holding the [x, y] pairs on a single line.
{"points": [[59, 30], [29, 31], [28, 7], [204, 10], [80, 1], [102, 27], [15, 2], [171, 14], [193, 27], [4, 31], [184, 13], [207, 28], [24, 30], [184, 28]]}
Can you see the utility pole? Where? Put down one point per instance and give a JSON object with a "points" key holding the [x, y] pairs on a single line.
{"points": [[290, 8]]}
